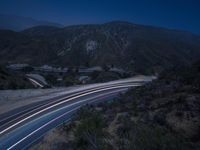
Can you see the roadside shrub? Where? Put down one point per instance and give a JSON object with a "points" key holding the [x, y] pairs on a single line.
{"points": [[70, 80], [139, 136], [89, 133]]}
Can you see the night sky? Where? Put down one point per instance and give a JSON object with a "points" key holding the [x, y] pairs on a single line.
{"points": [[177, 14]]}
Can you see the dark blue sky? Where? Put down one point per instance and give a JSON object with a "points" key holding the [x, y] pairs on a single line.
{"points": [[178, 14]]}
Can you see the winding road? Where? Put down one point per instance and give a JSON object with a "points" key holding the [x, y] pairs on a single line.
{"points": [[22, 127]]}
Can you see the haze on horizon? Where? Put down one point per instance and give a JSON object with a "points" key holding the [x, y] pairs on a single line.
{"points": [[174, 14]]}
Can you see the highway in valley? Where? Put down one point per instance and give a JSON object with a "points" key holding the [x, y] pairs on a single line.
{"points": [[23, 126]]}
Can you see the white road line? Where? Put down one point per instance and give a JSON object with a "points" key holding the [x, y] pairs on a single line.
{"points": [[59, 117], [42, 127], [81, 91], [78, 96]]}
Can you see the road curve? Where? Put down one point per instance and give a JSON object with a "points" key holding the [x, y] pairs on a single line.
{"points": [[22, 127]]}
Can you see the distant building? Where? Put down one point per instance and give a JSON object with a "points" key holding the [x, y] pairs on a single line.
{"points": [[90, 70], [47, 68], [17, 66]]}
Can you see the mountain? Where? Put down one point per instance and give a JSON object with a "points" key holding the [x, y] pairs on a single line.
{"points": [[19, 23], [133, 47]]}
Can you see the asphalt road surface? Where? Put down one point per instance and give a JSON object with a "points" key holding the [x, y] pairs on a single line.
{"points": [[21, 127]]}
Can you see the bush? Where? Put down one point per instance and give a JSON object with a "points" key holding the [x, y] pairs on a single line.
{"points": [[51, 79], [139, 136], [70, 80], [89, 133], [107, 76]]}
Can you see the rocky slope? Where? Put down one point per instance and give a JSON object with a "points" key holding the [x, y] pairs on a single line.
{"points": [[130, 46]]}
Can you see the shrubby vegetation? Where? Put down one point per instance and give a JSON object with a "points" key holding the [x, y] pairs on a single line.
{"points": [[162, 115], [12, 81], [97, 130], [89, 132], [106, 76], [70, 80]]}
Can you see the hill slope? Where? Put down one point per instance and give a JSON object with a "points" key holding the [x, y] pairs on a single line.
{"points": [[133, 47], [9, 80]]}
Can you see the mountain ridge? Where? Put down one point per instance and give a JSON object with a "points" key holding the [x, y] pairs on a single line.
{"points": [[19, 23], [129, 46]]}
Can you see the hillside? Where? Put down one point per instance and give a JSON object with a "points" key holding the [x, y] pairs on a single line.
{"points": [[133, 47], [10, 80], [162, 115], [19, 23]]}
